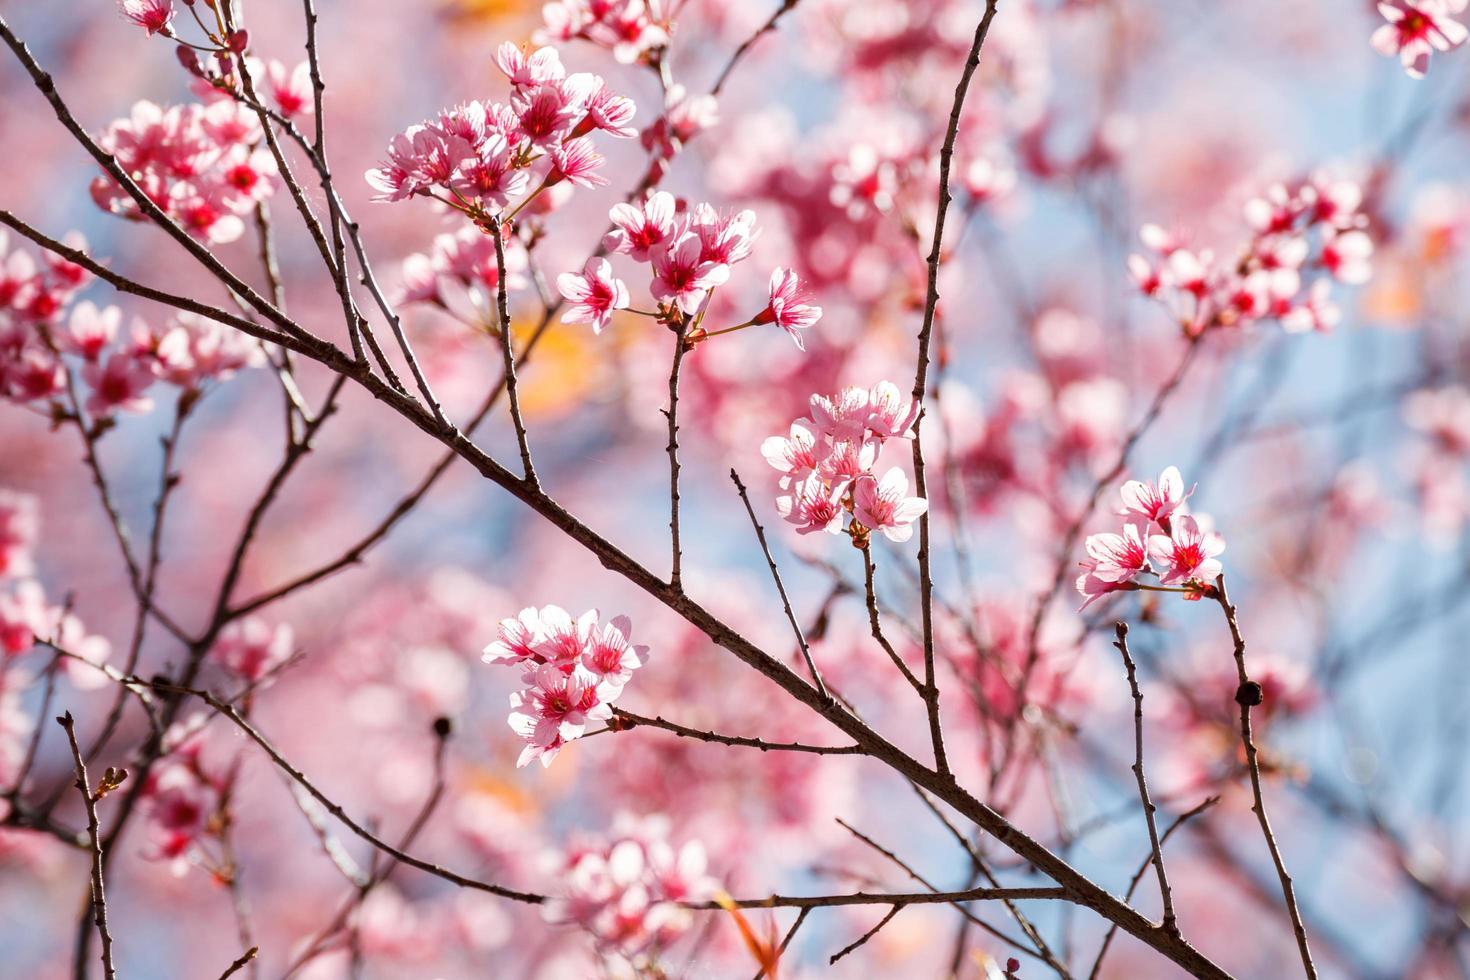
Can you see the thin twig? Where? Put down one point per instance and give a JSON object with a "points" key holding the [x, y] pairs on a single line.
{"points": [[627, 720], [930, 690], [502, 310], [233, 716], [1142, 870], [239, 964], [859, 941], [1157, 856], [745, 46], [760, 534], [1248, 695], [672, 414], [875, 624], [98, 898]]}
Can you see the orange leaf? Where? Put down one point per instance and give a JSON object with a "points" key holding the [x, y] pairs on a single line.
{"points": [[767, 952]]}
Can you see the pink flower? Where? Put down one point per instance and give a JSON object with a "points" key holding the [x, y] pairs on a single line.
{"points": [[594, 294], [1417, 28], [610, 656], [609, 112], [518, 639], [290, 89], [554, 709], [1155, 502], [625, 891], [787, 307], [489, 175], [1346, 255], [576, 161], [796, 456], [726, 239], [544, 65], [843, 416], [1118, 557], [813, 506], [119, 384], [548, 112], [1317, 312], [891, 413], [151, 15], [848, 460], [682, 277], [251, 649], [1187, 553], [18, 527], [886, 506], [638, 229], [564, 639], [89, 329]]}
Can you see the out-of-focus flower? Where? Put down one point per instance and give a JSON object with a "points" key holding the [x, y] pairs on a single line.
{"points": [[1416, 29]]}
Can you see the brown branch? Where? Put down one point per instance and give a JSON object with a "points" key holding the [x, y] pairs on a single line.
{"points": [[760, 534], [875, 624], [930, 690], [1248, 695], [627, 720], [790, 935], [502, 310], [894, 898], [1142, 870], [231, 714], [859, 941], [240, 963], [98, 896], [672, 414], [1155, 846], [770, 25]]}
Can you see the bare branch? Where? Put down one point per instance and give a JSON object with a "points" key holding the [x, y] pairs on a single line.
{"points": [[98, 900]]}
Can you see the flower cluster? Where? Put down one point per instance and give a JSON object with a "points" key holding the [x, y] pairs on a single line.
{"points": [[626, 890], [1418, 28], [627, 28], [828, 464], [689, 254], [573, 670], [476, 157], [1315, 225], [41, 331], [203, 165], [180, 799], [1160, 538], [154, 16], [25, 614], [460, 275]]}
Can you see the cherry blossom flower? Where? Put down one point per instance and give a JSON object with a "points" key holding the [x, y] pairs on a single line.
{"points": [[594, 294], [1155, 501], [18, 528], [118, 384], [518, 639], [89, 330], [682, 277], [577, 161], [626, 890], [250, 648], [554, 709], [154, 16], [891, 413], [289, 89], [637, 229], [610, 655], [1346, 256], [787, 307], [813, 506], [886, 506], [1187, 553], [796, 456], [1416, 29]]}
